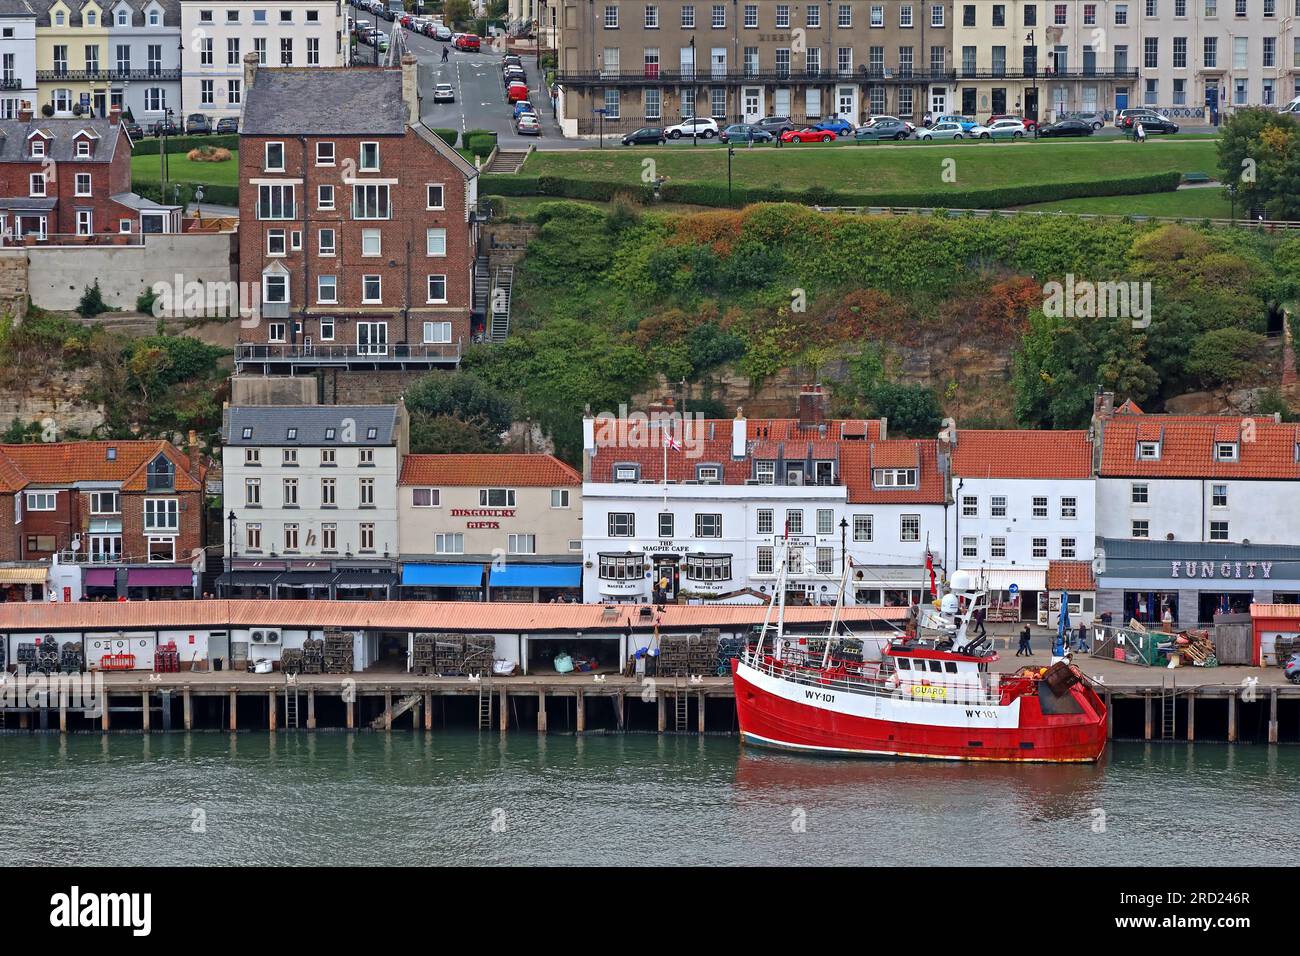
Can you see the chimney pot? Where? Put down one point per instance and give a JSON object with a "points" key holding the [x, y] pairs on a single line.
{"points": [[25, 113]]}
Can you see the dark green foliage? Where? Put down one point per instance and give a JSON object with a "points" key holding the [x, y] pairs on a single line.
{"points": [[457, 411], [92, 301], [152, 145], [448, 136]]}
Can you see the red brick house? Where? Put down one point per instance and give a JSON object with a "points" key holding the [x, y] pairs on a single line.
{"points": [[358, 223], [103, 518], [68, 180]]}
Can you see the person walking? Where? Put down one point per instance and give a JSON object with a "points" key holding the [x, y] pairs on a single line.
{"points": [[1083, 636], [444, 54], [749, 138], [1024, 649], [1141, 134], [979, 623]]}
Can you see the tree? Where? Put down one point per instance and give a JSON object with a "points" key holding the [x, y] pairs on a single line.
{"points": [[1259, 153], [92, 302], [458, 11], [912, 410], [458, 409], [1224, 355]]}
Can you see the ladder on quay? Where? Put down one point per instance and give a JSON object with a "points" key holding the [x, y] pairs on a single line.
{"points": [[484, 704], [681, 706], [1168, 708], [291, 706]]}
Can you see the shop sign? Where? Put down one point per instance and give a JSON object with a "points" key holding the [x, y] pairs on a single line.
{"points": [[1221, 569], [666, 546], [482, 513]]}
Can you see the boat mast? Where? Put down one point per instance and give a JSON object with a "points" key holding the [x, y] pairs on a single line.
{"points": [[833, 633]]}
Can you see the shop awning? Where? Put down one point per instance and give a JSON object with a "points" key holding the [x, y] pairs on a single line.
{"points": [[159, 578], [100, 578], [364, 579], [442, 575], [23, 575], [304, 579], [999, 579], [248, 579], [536, 576]]}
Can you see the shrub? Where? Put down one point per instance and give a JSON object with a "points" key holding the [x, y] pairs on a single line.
{"points": [[92, 302], [1224, 355], [209, 154], [448, 136]]}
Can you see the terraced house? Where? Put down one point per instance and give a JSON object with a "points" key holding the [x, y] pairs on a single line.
{"points": [[655, 64], [17, 55]]}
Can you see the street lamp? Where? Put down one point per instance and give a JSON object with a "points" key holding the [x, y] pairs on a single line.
{"points": [[1033, 72], [731, 151], [198, 203], [1232, 198], [695, 99], [230, 550]]}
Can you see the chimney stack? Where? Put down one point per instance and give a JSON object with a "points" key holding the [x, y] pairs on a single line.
{"points": [[739, 434], [25, 113], [411, 88], [250, 73], [812, 406], [193, 452], [115, 114]]}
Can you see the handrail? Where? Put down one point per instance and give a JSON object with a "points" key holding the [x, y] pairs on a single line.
{"points": [[393, 352], [1264, 224]]}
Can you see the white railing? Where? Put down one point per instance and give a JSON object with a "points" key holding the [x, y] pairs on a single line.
{"points": [[1267, 225]]}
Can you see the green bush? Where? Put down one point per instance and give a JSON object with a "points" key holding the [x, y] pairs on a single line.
{"points": [[183, 144], [216, 195], [92, 302], [448, 136], [481, 143]]}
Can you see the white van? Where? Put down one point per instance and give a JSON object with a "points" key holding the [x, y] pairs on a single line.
{"points": [[1293, 107]]}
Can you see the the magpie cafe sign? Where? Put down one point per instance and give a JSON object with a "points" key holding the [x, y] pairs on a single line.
{"points": [[1221, 569], [479, 513]]}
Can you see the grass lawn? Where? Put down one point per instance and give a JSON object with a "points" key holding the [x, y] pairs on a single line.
{"points": [[523, 207], [884, 168], [1207, 203], [181, 170]]}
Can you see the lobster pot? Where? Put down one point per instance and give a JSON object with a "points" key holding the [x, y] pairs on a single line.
{"points": [[71, 658], [684, 654], [167, 659], [423, 649], [449, 655], [480, 651], [729, 648], [26, 656], [291, 660], [47, 656], [313, 656], [338, 652]]}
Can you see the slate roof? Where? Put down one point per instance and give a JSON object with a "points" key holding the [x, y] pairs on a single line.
{"points": [[19, 8], [61, 464], [287, 101], [494, 470], [15, 148], [270, 425], [1021, 453], [1266, 449]]}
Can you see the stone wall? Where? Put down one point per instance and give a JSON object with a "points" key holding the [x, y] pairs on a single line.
{"points": [[58, 400], [13, 283], [58, 275]]}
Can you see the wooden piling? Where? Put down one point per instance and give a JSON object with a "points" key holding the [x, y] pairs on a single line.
{"points": [[1110, 717], [581, 704], [24, 721], [311, 708], [661, 698], [388, 710], [1232, 717], [272, 705], [622, 711], [103, 716], [701, 711], [144, 710], [505, 711], [352, 716], [187, 709], [541, 711], [428, 711], [63, 710], [1191, 714], [1146, 706], [234, 718], [1272, 717]]}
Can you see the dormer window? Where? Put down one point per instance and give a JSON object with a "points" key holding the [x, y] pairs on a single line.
{"points": [[765, 472], [59, 19], [38, 147], [121, 18], [83, 149], [626, 473], [895, 478], [90, 19], [1225, 451], [153, 18], [710, 474], [1148, 451]]}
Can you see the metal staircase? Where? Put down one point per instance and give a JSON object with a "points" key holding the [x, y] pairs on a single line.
{"points": [[482, 277], [502, 285]]}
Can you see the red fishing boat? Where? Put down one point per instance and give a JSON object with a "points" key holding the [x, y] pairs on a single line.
{"points": [[932, 694]]}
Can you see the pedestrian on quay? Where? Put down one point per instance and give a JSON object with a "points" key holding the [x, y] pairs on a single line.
{"points": [[1024, 649], [979, 623], [1083, 636]]}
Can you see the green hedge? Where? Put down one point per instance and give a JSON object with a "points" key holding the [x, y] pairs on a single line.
{"points": [[216, 195], [715, 194], [448, 136], [480, 143], [183, 144]]}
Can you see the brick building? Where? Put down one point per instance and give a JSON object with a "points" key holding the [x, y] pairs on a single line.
{"points": [[359, 224], [101, 518], [69, 180]]}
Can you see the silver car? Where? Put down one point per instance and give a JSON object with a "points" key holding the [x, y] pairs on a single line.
{"points": [[945, 130]]}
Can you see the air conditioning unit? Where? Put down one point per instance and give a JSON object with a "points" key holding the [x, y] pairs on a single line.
{"points": [[259, 637], [273, 637]]}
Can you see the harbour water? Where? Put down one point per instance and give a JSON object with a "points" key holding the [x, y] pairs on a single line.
{"points": [[466, 798]]}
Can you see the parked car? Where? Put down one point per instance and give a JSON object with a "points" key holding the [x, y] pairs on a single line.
{"points": [[442, 31], [911, 127], [1094, 118], [1028, 123], [1292, 108], [965, 122], [882, 129], [1000, 129], [527, 125], [516, 92], [361, 27], [836, 125], [945, 129], [134, 130], [512, 59], [809, 134], [196, 124], [1127, 119], [645, 136], [514, 74], [1156, 124], [444, 93], [1067, 127], [776, 125], [469, 42], [164, 128], [523, 106], [228, 124], [1292, 668], [704, 127], [744, 132]]}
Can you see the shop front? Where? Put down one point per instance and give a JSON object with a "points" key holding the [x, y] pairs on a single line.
{"points": [[23, 583], [434, 581], [1185, 584], [363, 584], [542, 583], [159, 584]]}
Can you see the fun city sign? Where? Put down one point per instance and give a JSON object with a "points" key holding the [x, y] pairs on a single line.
{"points": [[1221, 569]]}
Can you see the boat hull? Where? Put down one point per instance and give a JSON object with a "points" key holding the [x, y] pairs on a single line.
{"points": [[788, 716]]}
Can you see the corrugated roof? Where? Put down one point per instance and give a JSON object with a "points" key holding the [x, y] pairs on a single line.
{"points": [[1275, 610], [400, 615], [1021, 453], [515, 470], [271, 424], [1266, 449]]}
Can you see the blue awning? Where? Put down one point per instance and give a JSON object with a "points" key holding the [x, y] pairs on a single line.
{"points": [[536, 576], [442, 575]]}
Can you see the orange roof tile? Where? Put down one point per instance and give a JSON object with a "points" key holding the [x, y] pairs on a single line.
{"points": [[1012, 453], [63, 463], [920, 453], [513, 470], [402, 615], [1266, 448], [1070, 576]]}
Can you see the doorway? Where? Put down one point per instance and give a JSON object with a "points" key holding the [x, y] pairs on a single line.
{"points": [[665, 579]]}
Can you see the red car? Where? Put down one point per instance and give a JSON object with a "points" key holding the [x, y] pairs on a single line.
{"points": [[516, 92], [809, 134], [468, 41], [1030, 124]]}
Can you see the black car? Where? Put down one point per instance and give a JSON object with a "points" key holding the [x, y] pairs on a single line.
{"points": [[1155, 124], [228, 125], [1066, 127], [164, 128], [645, 136], [776, 125], [197, 123], [134, 130]]}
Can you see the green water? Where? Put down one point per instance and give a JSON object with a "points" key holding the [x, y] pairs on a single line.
{"points": [[451, 798]]}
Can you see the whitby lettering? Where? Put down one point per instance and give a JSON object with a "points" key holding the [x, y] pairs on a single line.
{"points": [[1224, 569]]}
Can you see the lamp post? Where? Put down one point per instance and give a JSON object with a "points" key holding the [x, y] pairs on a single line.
{"points": [[844, 544], [1034, 77], [198, 203], [230, 549], [731, 151], [695, 99]]}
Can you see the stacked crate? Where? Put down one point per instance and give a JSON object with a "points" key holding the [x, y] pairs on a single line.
{"points": [[47, 656], [449, 655], [71, 658], [422, 653], [338, 652], [313, 656], [480, 650], [166, 659], [291, 660], [26, 656], [687, 654]]}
